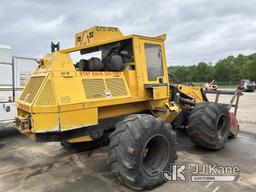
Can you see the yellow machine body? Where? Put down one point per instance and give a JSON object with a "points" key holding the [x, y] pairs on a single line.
{"points": [[192, 92], [61, 99]]}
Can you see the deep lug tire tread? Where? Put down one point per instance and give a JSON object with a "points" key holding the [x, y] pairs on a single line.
{"points": [[203, 125], [126, 143]]}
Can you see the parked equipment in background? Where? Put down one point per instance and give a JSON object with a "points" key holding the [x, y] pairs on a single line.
{"points": [[14, 74], [247, 85], [211, 86], [123, 99]]}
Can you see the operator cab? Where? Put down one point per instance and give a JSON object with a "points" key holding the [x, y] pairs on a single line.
{"points": [[115, 56], [117, 52]]}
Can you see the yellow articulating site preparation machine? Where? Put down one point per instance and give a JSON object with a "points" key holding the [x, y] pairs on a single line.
{"points": [[123, 98]]}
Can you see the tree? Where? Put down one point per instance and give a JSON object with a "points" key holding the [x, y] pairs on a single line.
{"points": [[225, 70]]}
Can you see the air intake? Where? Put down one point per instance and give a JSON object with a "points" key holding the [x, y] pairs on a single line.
{"points": [[31, 89], [47, 95], [116, 86], [94, 88]]}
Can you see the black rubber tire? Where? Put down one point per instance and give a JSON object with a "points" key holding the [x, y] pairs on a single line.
{"points": [[95, 64], [181, 119], [205, 128], [131, 146], [113, 63]]}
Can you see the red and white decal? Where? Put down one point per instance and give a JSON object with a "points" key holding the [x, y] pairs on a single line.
{"points": [[100, 73]]}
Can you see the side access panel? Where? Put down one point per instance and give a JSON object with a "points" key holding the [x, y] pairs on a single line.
{"points": [[79, 118]]}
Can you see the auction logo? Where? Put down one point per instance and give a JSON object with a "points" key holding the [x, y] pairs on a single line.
{"points": [[179, 172]]}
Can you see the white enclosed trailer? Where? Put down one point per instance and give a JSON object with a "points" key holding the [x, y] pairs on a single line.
{"points": [[14, 73]]}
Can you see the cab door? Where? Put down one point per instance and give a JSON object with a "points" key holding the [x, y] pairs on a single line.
{"points": [[155, 69]]}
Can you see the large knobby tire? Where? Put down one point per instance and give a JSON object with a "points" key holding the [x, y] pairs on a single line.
{"points": [[181, 119], [140, 149], [209, 125]]}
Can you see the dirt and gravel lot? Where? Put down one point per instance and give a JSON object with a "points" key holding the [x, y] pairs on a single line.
{"points": [[29, 166]]}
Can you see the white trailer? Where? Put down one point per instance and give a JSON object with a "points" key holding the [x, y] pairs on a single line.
{"points": [[14, 73]]}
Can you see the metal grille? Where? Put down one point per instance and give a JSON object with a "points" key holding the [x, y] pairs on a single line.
{"points": [[47, 96], [94, 88], [116, 86], [31, 89]]}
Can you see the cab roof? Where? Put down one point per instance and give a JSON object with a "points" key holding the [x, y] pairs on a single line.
{"points": [[100, 35]]}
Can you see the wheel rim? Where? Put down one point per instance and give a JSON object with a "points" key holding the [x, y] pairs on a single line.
{"points": [[155, 155], [222, 127]]}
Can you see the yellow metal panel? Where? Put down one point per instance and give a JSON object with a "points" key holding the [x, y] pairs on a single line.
{"points": [[159, 103], [44, 109], [45, 122], [130, 76], [80, 139], [122, 109], [57, 62], [69, 90], [169, 112], [78, 48], [109, 102], [192, 92], [160, 92], [71, 107], [79, 118], [97, 34], [140, 69]]}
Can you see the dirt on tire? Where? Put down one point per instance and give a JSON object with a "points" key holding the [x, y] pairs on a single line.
{"points": [[127, 157], [209, 125]]}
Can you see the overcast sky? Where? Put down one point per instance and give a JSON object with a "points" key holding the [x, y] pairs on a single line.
{"points": [[198, 30]]}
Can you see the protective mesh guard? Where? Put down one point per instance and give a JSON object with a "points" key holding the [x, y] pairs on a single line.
{"points": [[47, 96], [31, 89], [94, 88], [116, 86]]}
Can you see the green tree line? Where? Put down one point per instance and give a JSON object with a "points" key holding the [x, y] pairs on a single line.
{"points": [[230, 69]]}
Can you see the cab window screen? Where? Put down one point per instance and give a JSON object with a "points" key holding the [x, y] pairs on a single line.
{"points": [[154, 61]]}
